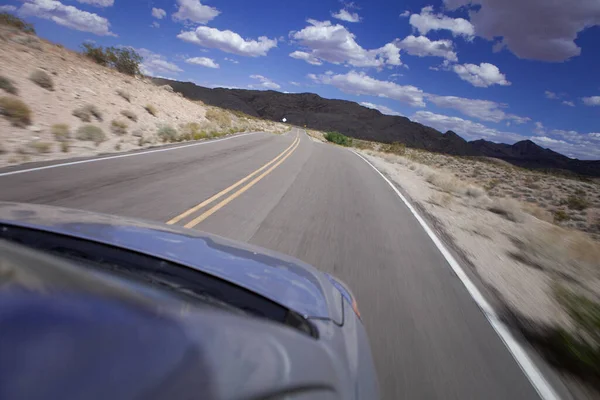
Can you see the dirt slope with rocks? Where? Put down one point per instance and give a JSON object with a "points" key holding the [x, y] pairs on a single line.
{"points": [[131, 113]]}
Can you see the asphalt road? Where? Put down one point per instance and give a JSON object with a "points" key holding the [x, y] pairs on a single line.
{"points": [[326, 206]]}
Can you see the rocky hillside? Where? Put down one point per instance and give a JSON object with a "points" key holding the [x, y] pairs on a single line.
{"points": [[360, 122], [56, 103]]}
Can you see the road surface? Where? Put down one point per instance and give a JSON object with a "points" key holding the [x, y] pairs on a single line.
{"points": [[323, 205]]}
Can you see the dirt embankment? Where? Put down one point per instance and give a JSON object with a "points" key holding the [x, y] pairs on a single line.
{"points": [[57, 103]]}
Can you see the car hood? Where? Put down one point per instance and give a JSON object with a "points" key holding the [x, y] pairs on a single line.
{"points": [[283, 279]]}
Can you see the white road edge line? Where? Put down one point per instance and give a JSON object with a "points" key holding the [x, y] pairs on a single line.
{"points": [[531, 371], [141, 153]]}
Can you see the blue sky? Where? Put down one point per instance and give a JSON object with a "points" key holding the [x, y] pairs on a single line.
{"points": [[502, 70]]}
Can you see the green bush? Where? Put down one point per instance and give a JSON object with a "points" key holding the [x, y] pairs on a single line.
{"points": [[8, 86], [395, 148], [16, 22], [167, 133], [581, 349], [123, 59], [61, 132], [193, 131], [560, 216], [91, 133], [338, 138], [17, 112], [118, 127], [42, 79], [86, 113]]}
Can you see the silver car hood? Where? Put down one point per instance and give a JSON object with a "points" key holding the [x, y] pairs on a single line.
{"points": [[283, 279]]}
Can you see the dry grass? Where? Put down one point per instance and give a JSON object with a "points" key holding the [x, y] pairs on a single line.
{"points": [[193, 131], [151, 110], [167, 133], [86, 113], [61, 132], [8, 86], [65, 147], [219, 117], [124, 95], [564, 252], [441, 199], [508, 208], [40, 147], [17, 112], [42, 79], [129, 115], [118, 127], [90, 133]]}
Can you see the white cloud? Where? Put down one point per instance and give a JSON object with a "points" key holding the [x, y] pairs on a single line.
{"points": [[358, 83], [464, 127], [546, 140], [421, 46], [568, 103], [67, 16], [381, 108], [539, 129], [482, 75], [98, 3], [534, 29], [265, 83], [195, 11], [550, 95], [159, 13], [405, 14], [294, 83], [335, 44], [155, 64], [231, 60], [308, 57], [155, 24], [203, 61], [228, 41], [8, 8], [591, 101], [428, 21], [484, 110], [346, 15]]}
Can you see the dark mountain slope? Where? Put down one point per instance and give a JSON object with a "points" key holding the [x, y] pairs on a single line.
{"points": [[352, 119]]}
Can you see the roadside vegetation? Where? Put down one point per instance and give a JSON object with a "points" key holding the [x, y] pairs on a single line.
{"points": [[124, 59], [15, 111], [338, 138], [11, 20]]}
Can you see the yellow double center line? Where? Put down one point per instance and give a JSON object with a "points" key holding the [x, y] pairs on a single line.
{"points": [[271, 165]]}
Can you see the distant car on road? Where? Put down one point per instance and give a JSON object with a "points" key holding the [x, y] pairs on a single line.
{"points": [[98, 306]]}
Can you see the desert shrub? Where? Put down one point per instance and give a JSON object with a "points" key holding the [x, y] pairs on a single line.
{"points": [[118, 127], [65, 146], [395, 148], [580, 348], [167, 133], [338, 138], [441, 199], [193, 131], [123, 59], [8, 86], [474, 191], [560, 216], [40, 147], [129, 115], [151, 110], [86, 113], [90, 133], [124, 95], [17, 112], [538, 212], [508, 208], [577, 202], [16, 22], [61, 132], [42, 79], [220, 117]]}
